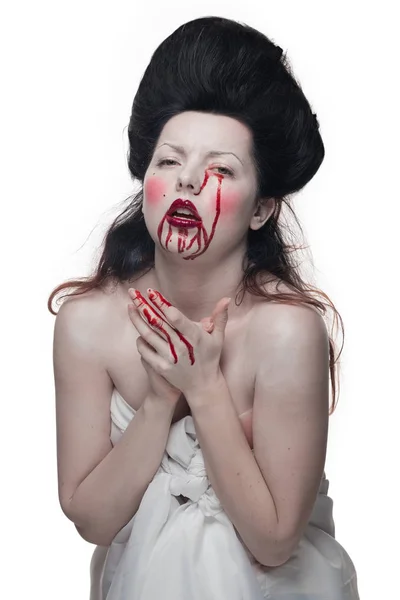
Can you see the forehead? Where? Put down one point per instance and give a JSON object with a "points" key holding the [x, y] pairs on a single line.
{"points": [[199, 131]]}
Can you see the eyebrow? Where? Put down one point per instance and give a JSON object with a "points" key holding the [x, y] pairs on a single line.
{"points": [[181, 150]]}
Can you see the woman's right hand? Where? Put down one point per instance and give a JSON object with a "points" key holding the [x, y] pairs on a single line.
{"points": [[160, 388]]}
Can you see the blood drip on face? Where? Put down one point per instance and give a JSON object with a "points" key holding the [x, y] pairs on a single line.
{"points": [[201, 231]]}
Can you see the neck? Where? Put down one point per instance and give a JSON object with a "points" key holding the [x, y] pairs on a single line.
{"points": [[195, 287]]}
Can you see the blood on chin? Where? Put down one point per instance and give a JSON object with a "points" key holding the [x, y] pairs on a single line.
{"points": [[186, 240]]}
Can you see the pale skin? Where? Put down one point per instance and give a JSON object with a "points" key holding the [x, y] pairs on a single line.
{"points": [[266, 364]]}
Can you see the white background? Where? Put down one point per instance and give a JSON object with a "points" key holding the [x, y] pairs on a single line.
{"points": [[69, 74]]}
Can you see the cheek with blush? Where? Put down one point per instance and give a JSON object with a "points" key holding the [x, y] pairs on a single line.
{"points": [[154, 189], [231, 204]]}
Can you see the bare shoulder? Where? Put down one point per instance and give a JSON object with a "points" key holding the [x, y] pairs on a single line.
{"points": [[87, 318], [274, 321], [92, 315], [97, 325], [82, 309]]}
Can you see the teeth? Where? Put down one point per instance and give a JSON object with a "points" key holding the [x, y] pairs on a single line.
{"points": [[184, 211]]}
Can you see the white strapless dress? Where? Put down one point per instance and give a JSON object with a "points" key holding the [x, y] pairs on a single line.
{"points": [[191, 551]]}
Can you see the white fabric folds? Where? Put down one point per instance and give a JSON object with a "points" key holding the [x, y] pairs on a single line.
{"points": [[191, 551]]}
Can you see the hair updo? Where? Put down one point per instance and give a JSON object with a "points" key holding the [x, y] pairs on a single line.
{"points": [[219, 66]]}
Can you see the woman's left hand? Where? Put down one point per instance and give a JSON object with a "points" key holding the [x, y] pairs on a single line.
{"points": [[176, 347]]}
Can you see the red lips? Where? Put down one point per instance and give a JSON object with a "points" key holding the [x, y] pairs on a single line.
{"points": [[179, 203]]}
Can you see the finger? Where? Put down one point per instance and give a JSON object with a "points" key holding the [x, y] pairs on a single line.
{"points": [[148, 368], [151, 316], [165, 308], [207, 324], [160, 344], [158, 300], [145, 364], [177, 320], [141, 302], [150, 356], [154, 319], [162, 304], [220, 315]]}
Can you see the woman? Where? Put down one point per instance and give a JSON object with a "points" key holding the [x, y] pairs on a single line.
{"points": [[203, 478]]}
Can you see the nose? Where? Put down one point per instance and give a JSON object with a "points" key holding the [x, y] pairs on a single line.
{"points": [[190, 181]]}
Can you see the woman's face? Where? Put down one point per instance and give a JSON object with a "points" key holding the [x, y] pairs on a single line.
{"points": [[199, 189]]}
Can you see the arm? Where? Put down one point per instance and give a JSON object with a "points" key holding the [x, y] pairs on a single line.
{"points": [[100, 487], [269, 496]]}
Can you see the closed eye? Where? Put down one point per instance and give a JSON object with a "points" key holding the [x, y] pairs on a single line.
{"points": [[171, 160], [229, 172], [165, 160]]}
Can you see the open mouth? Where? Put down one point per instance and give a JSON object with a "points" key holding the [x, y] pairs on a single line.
{"points": [[183, 213], [183, 220]]}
